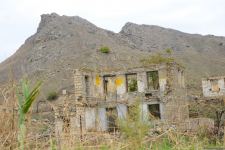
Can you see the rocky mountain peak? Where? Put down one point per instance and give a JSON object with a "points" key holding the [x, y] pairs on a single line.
{"points": [[128, 28], [53, 19], [53, 26], [133, 28], [45, 19]]}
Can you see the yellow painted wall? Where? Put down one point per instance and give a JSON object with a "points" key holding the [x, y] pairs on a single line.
{"points": [[119, 81]]}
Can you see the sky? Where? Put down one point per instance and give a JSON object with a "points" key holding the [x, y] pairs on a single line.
{"points": [[19, 19]]}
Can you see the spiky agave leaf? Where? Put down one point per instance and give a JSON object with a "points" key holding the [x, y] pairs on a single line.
{"points": [[25, 89], [31, 97]]}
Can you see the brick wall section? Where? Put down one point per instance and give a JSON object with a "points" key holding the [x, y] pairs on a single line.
{"points": [[80, 97], [79, 85]]}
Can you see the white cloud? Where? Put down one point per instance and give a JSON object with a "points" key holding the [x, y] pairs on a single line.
{"points": [[19, 18]]}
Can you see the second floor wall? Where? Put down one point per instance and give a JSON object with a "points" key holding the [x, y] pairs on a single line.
{"points": [[128, 84]]}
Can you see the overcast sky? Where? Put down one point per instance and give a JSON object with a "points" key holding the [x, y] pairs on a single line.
{"points": [[19, 18]]}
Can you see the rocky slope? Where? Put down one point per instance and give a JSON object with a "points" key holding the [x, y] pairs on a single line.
{"points": [[64, 43], [201, 55]]}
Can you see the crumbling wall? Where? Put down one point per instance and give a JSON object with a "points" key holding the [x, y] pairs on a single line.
{"points": [[212, 87], [141, 81], [175, 97], [162, 80], [79, 85], [111, 91]]}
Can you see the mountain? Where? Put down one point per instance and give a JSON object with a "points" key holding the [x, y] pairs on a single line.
{"points": [[62, 44], [201, 55]]}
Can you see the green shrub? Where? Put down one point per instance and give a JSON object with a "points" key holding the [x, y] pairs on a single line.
{"points": [[52, 96], [105, 49], [133, 129]]}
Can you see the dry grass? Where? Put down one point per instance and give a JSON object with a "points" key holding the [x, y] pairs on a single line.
{"points": [[8, 130], [40, 135], [38, 138]]}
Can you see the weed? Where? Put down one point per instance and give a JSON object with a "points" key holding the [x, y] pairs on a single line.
{"points": [[104, 49]]}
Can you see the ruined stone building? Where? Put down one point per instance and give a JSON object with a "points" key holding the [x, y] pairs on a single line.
{"points": [[213, 86], [103, 96]]}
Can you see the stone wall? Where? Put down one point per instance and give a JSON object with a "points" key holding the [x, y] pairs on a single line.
{"points": [[213, 87], [109, 90]]}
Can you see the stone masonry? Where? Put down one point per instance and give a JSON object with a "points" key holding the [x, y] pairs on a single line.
{"points": [[213, 86], [102, 97]]}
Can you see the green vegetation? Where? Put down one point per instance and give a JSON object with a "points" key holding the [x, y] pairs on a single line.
{"points": [[169, 51], [133, 128], [25, 100], [136, 133], [159, 58], [132, 87], [52, 96], [153, 79], [210, 109], [104, 49]]}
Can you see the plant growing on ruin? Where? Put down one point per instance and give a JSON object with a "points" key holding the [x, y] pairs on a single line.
{"points": [[159, 58], [153, 79], [132, 85], [25, 100], [104, 49]]}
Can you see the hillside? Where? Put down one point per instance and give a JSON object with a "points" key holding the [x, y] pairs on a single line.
{"points": [[64, 43], [201, 55]]}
